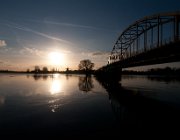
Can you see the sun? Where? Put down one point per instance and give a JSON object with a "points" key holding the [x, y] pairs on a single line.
{"points": [[56, 58]]}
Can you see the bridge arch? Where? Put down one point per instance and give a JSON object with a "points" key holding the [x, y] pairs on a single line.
{"points": [[146, 34]]}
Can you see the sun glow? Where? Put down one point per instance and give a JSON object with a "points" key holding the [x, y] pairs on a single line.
{"points": [[56, 58]]}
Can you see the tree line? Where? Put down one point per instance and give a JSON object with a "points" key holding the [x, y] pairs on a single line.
{"points": [[155, 71], [85, 67], [45, 69]]}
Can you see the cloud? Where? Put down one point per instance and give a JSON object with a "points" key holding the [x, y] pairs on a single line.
{"points": [[97, 54], [19, 27], [3, 43], [33, 51], [100, 53], [73, 25]]}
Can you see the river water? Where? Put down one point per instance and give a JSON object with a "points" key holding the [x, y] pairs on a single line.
{"points": [[76, 105]]}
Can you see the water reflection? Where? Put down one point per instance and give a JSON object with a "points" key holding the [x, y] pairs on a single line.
{"points": [[164, 79], [152, 78], [132, 110], [2, 100], [55, 87], [57, 105], [55, 84], [44, 77], [67, 76], [54, 105], [85, 83]]}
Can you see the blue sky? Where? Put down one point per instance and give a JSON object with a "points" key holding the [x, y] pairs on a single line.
{"points": [[78, 29]]}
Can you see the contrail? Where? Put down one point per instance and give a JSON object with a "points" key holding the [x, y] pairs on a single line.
{"points": [[13, 25], [72, 25]]}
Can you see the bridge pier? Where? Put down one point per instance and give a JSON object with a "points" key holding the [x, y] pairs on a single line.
{"points": [[176, 28], [110, 72]]}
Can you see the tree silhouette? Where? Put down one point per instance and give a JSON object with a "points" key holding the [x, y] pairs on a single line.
{"points": [[86, 65], [45, 69], [28, 70], [37, 69]]}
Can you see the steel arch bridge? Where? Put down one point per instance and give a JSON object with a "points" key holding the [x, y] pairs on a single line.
{"points": [[152, 37]]}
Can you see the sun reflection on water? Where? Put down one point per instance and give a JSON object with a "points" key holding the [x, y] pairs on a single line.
{"points": [[55, 87], [55, 107]]}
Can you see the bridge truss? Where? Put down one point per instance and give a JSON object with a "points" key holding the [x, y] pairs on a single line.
{"points": [[146, 34]]}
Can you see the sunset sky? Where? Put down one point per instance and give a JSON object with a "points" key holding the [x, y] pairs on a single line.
{"points": [[60, 33]]}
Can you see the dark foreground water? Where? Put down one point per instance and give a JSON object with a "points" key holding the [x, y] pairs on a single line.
{"points": [[75, 105]]}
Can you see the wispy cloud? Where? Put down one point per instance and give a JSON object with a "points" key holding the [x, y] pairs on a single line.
{"points": [[23, 28], [72, 25], [32, 51], [3, 43], [4, 63], [100, 53]]}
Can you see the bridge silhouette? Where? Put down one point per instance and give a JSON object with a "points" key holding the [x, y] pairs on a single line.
{"points": [[151, 40]]}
